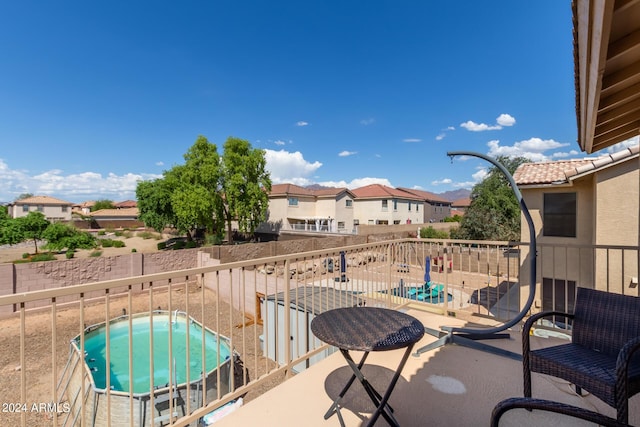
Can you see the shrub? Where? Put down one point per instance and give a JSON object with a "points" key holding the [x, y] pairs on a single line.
{"points": [[106, 243], [118, 244], [190, 244], [95, 254], [133, 250], [127, 234], [70, 253], [25, 255], [179, 245], [43, 257], [162, 245], [101, 233], [119, 233]]}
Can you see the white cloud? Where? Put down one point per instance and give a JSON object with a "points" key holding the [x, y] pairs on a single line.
{"points": [[532, 149], [502, 121], [624, 144], [478, 127], [279, 142], [445, 181], [346, 153], [302, 123], [367, 122], [160, 163], [74, 187], [450, 128], [440, 137], [288, 167], [411, 140], [505, 120], [564, 154]]}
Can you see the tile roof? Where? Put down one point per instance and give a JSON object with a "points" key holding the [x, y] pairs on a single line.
{"points": [[564, 171], [377, 191], [126, 204], [125, 212], [296, 190], [425, 195], [465, 201], [42, 200]]}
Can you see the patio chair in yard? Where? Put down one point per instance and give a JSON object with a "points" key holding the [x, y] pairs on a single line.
{"points": [[554, 407], [601, 357]]}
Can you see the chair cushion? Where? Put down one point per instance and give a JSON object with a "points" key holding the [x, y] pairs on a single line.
{"points": [[591, 370]]}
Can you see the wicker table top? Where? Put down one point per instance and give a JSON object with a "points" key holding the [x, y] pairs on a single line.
{"points": [[367, 328]]}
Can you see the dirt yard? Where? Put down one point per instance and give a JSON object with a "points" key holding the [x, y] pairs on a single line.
{"points": [[12, 253]]}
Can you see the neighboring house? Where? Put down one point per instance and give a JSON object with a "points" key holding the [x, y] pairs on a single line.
{"points": [[127, 204], [436, 208], [378, 204], [84, 208], [581, 202], [292, 207], [461, 205], [53, 209], [116, 218]]}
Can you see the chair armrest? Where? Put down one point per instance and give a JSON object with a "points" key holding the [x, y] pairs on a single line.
{"points": [[550, 406], [526, 329], [622, 367]]}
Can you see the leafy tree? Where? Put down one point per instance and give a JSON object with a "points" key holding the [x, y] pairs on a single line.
{"points": [[63, 236], [31, 227], [154, 204], [494, 213], [24, 196], [102, 204], [245, 184], [431, 233], [208, 190], [197, 195]]}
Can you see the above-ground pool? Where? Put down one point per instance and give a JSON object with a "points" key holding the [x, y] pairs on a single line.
{"points": [[167, 367]]}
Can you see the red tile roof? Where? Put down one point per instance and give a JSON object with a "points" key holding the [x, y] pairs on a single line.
{"points": [[425, 195], [563, 171], [379, 191], [464, 202], [42, 200]]}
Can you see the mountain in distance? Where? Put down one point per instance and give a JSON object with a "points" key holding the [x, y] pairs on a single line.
{"points": [[451, 196], [454, 195]]}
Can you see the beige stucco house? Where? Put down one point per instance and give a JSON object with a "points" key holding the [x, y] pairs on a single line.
{"points": [[292, 207], [378, 204], [53, 209], [436, 208], [575, 204]]}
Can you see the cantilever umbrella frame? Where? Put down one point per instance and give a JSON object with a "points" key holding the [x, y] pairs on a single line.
{"points": [[468, 336]]}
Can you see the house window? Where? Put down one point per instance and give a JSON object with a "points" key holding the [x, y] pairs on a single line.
{"points": [[385, 204], [340, 225], [356, 222], [64, 208], [25, 208], [559, 218], [417, 206], [293, 201], [558, 295], [40, 208], [395, 205], [349, 203], [409, 206], [396, 221]]}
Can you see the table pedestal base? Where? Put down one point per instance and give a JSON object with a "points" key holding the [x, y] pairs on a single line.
{"points": [[381, 402]]}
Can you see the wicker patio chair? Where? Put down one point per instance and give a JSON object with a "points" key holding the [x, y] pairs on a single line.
{"points": [[546, 405], [600, 357]]}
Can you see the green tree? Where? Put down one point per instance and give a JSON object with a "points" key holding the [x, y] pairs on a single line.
{"points": [[31, 227], [197, 194], [245, 184], [209, 191], [61, 236], [154, 204], [24, 196], [494, 213], [102, 204]]}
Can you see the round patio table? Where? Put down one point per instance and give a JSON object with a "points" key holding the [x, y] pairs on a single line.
{"points": [[368, 329]]}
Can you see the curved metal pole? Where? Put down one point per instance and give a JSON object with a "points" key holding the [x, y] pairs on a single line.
{"points": [[532, 248]]}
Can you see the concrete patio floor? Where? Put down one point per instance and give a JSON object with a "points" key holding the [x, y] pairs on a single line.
{"points": [[450, 386]]}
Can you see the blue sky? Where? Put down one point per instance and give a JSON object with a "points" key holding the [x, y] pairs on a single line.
{"points": [[95, 96]]}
